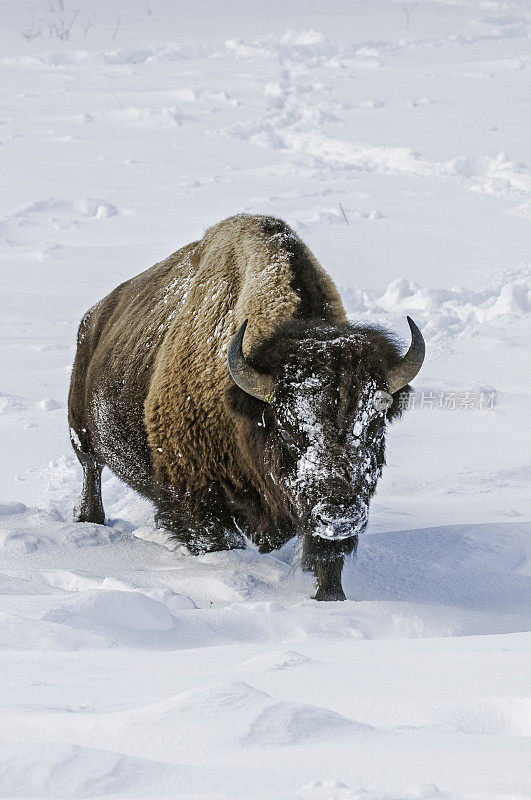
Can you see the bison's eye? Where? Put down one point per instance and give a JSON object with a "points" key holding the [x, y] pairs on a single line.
{"points": [[382, 400], [286, 435]]}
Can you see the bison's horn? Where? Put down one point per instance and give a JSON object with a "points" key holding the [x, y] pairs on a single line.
{"points": [[244, 376], [405, 371]]}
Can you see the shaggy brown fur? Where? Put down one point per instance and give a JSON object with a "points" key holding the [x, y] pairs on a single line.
{"points": [[151, 395]]}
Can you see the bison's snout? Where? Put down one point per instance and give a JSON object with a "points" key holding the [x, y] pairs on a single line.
{"points": [[330, 522]]}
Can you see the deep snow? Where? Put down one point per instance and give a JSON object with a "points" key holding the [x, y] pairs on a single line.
{"points": [[400, 153]]}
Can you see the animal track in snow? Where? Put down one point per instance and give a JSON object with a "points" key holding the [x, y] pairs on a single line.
{"points": [[448, 313], [57, 213], [10, 404]]}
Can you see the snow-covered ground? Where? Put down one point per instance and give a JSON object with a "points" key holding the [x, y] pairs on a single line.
{"points": [[394, 137]]}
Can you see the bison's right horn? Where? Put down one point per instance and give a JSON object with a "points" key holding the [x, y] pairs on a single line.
{"points": [[244, 376], [405, 370]]}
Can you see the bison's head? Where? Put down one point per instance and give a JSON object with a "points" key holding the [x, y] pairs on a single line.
{"points": [[324, 395]]}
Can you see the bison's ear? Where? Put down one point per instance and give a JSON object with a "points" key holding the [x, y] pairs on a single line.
{"points": [[405, 370], [254, 383]]}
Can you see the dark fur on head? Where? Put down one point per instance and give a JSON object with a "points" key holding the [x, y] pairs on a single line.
{"points": [[341, 359]]}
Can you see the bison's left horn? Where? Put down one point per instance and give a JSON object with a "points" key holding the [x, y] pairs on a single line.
{"points": [[244, 376], [405, 371]]}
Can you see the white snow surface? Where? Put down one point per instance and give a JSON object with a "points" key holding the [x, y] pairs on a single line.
{"points": [[394, 138]]}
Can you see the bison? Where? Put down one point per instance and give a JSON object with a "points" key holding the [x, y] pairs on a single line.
{"points": [[226, 385]]}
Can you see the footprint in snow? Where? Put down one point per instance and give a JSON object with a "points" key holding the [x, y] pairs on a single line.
{"points": [[269, 662], [48, 404]]}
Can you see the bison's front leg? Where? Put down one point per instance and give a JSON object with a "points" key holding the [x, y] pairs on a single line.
{"points": [[325, 559], [208, 529]]}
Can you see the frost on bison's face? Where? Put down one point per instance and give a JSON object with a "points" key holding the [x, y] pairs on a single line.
{"points": [[326, 444], [333, 452], [319, 438]]}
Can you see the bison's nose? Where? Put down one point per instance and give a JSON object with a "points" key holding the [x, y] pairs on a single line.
{"points": [[331, 522], [329, 510], [325, 517]]}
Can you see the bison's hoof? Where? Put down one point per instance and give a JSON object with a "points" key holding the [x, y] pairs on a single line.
{"points": [[330, 594], [96, 517]]}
